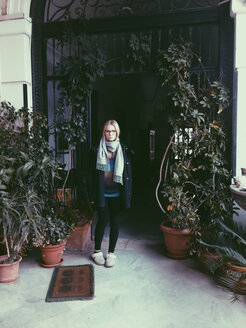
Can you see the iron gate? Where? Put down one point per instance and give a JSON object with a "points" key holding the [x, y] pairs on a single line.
{"points": [[111, 23]]}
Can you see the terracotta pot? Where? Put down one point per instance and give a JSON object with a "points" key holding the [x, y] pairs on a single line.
{"points": [[235, 272], [51, 255], [9, 272], [176, 241], [235, 267], [80, 237]]}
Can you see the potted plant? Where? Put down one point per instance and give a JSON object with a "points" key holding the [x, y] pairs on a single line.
{"points": [[77, 71], [19, 204], [193, 189], [20, 216], [229, 269], [26, 177], [80, 214], [54, 234]]}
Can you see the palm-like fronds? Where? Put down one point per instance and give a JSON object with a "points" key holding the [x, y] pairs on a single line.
{"points": [[232, 255], [233, 284], [231, 247], [212, 263], [238, 232], [21, 218]]}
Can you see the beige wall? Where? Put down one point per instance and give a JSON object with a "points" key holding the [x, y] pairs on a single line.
{"points": [[15, 51], [238, 12]]}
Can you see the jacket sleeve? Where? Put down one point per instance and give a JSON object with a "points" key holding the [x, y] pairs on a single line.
{"points": [[127, 177], [92, 179]]}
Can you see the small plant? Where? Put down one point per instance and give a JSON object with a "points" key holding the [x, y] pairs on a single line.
{"points": [[55, 229], [20, 217]]}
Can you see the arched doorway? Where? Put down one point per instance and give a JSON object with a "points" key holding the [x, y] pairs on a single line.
{"points": [[129, 95]]}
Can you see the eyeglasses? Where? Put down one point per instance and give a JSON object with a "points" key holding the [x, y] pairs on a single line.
{"points": [[110, 131]]}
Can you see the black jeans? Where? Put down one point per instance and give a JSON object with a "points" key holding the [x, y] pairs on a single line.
{"points": [[109, 212]]}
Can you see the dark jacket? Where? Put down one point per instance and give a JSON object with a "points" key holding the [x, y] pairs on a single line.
{"points": [[126, 189]]}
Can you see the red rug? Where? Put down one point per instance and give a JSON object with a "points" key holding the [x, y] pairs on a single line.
{"points": [[70, 283]]}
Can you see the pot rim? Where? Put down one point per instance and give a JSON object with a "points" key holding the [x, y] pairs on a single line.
{"points": [[5, 256], [164, 227], [235, 267], [56, 245]]}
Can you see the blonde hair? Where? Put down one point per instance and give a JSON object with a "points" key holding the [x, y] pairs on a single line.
{"points": [[115, 125]]}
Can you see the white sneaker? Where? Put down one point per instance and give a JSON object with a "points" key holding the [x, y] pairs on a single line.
{"points": [[98, 258], [110, 260]]}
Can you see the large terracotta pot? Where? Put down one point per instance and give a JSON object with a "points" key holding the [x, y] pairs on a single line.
{"points": [[9, 272], [79, 238], [51, 255], [176, 241]]}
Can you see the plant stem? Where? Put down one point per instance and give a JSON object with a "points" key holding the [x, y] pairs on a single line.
{"points": [[161, 167], [7, 247]]}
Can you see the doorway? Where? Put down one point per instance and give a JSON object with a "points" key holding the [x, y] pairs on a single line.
{"points": [[134, 102]]}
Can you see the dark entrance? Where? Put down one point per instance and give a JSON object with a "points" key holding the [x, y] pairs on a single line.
{"points": [[133, 101], [131, 96]]}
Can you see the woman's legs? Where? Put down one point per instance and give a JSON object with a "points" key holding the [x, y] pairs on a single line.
{"points": [[111, 211], [114, 209], [100, 226]]}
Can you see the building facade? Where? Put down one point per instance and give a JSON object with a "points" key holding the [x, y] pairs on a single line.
{"points": [[29, 31]]}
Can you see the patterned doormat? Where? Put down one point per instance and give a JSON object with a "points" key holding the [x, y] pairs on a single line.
{"points": [[70, 283]]}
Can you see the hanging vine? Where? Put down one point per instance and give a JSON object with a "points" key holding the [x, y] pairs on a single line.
{"points": [[78, 72]]}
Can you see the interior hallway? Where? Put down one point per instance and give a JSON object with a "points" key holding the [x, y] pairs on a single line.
{"points": [[144, 289]]}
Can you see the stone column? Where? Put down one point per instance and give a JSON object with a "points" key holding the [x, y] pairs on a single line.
{"points": [[238, 12], [15, 52]]}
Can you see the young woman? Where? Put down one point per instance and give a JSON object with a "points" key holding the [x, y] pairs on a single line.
{"points": [[114, 185]]}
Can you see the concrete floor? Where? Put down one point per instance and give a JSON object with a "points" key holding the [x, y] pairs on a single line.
{"points": [[144, 289]]}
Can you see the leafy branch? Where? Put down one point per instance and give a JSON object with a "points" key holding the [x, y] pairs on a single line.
{"points": [[195, 190]]}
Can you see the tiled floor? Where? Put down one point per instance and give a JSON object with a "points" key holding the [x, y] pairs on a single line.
{"points": [[145, 289]]}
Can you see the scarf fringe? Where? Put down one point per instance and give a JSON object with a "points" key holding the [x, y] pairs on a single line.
{"points": [[102, 167], [118, 179]]}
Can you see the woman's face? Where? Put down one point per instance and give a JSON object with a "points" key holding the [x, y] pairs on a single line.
{"points": [[110, 133]]}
